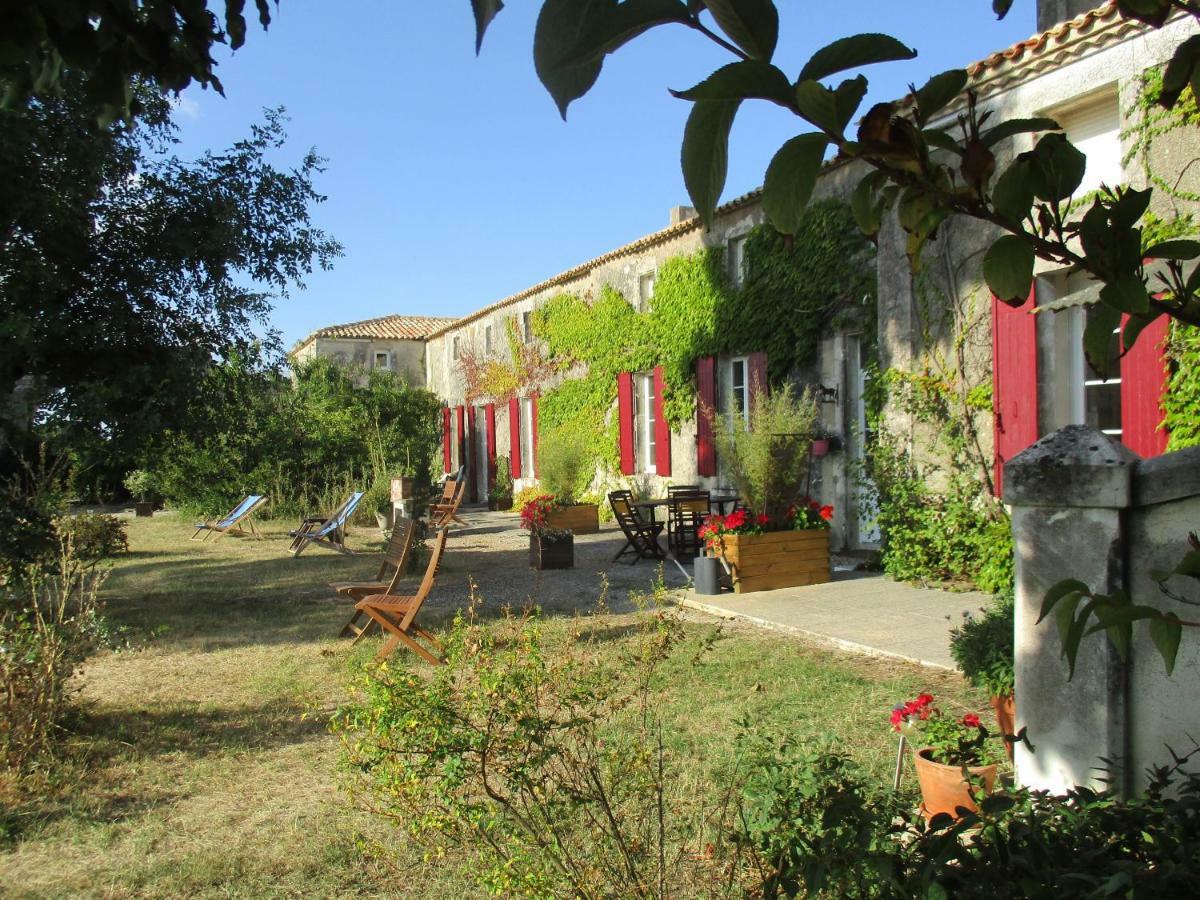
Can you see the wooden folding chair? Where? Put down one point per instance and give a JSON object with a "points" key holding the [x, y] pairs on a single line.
{"points": [[326, 532], [641, 537], [442, 514], [391, 570], [396, 615], [240, 515]]}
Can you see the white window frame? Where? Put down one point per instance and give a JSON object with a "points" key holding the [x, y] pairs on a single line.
{"points": [[387, 360], [646, 282], [1080, 382], [731, 411], [526, 426], [645, 438], [1080, 120], [735, 253]]}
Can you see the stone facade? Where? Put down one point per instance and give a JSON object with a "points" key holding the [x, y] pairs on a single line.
{"points": [[405, 358]]}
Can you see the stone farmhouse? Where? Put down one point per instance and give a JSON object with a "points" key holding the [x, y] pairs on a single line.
{"points": [[1086, 68], [392, 343]]}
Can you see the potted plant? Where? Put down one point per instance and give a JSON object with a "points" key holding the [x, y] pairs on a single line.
{"points": [[141, 484], [984, 649], [781, 537], [953, 758], [500, 496], [549, 547], [566, 468]]}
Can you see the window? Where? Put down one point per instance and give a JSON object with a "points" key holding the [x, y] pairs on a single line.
{"points": [[527, 467], [1094, 127], [737, 390], [526, 327], [736, 258], [645, 292], [1098, 400], [383, 359], [487, 338], [454, 347], [645, 452]]}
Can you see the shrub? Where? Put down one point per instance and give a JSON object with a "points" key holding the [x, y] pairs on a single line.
{"points": [[140, 484], [522, 497], [983, 647], [94, 536], [503, 488], [565, 465]]}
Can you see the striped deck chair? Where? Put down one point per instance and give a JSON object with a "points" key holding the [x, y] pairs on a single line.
{"points": [[239, 520], [442, 514], [391, 570], [330, 532], [397, 614]]}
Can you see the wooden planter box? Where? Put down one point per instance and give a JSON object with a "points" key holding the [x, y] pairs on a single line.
{"points": [[779, 559], [142, 508], [581, 519], [556, 555]]}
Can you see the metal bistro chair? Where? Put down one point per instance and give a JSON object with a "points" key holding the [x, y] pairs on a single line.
{"points": [[672, 490], [688, 510], [641, 537]]}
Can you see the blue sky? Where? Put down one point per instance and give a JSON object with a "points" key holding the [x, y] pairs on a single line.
{"points": [[452, 181]]}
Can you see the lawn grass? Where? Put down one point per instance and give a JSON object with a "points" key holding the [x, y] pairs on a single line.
{"points": [[200, 763]]}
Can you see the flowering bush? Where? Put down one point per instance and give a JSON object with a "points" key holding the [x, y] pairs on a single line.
{"points": [[534, 517], [808, 514], [954, 742], [715, 527]]}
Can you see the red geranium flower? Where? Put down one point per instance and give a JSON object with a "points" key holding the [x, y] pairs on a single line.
{"points": [[971, 720], [826, 513], [763, 519]]}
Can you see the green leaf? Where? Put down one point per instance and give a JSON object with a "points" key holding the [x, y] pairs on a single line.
{"points": [[790, 180], [1001, 7], [1134, 325], [1180, 71], [867, 205], [606, 28], [1152, 12], [705, 153], [1057, 169], [559, 25], [746, 80], [1128, 294], [1070, 648], [1129, 207], [1013, 127], [853, 52], [942, 140], [1166, 632], [485, 11], [1180, 249], [1097, 336], [847, 98], [235, 23], [819, 105], [1012, 197], [938, 92], [1008, 269], [1189, 567], [751, 24], [1057, 592]]}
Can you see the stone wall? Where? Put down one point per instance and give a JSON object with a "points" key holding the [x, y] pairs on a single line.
{"points": [[407, 357]]}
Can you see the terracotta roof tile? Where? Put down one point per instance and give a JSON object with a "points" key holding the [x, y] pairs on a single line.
{"points": [[1104, 13], [384, 328]]}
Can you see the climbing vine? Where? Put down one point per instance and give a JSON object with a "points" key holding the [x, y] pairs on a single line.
{"points": [[497, 379]]}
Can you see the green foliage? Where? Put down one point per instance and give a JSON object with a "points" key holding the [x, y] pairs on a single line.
{"points": [[93, 536], [503, 488], [768, 462], [1181, 403], [140, 484], [565, 468], [305, 445], [983, 647]]}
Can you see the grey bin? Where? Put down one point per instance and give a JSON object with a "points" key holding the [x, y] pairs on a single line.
{"points": [[708, 574]]}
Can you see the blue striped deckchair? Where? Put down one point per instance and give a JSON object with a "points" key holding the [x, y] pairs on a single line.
{"points": [[330, 532], [241, 515]]}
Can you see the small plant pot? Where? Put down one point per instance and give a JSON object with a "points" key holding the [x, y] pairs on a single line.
{"points": [[143, 509], [820, 447], [499, 504], [943, 788], [1005, 708], [558, 554]]}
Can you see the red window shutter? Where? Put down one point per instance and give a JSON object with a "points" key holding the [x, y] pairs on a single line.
{"points": [[533, 428], [446, 458], [1143, 383], [472, 463], [514, 436], [460, 429], [756, 373], [662, 430], [706, 388], [490, 424], [1014, 381], [625, 420]]}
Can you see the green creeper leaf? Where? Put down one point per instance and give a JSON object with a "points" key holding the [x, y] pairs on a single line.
{"points": [[751, 24], [1128, 294], [485, 11], [938, 92], [1057, 169], [853, 52], [559, 25], [1008, 269], [1181, 70], [1097, 336], [1013, 127], [1060, 591], [790, 180], [705, 153], [1012, 197], [1180, 249], [745, 80], [819, 105], [1166, 632], [608, 27]]}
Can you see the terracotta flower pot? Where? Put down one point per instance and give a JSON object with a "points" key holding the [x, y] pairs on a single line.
{"points": [[943, 788], [1006, 717]]}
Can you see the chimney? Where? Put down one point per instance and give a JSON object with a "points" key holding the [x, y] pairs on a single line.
{"points": [[681, 214], [1051, 12]]}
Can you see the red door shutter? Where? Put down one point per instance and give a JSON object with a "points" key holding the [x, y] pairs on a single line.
{"points": [[662, 430], [756, 374], [706, 388], [490, 424], [514, 436], [446, 459], [533, 430], [1014, 381], [461, 425], [472, 463], [625, 420], [1143, 382]]}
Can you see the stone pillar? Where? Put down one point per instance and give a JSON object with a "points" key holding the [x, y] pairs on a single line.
{"points": [[1068, 493]]}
